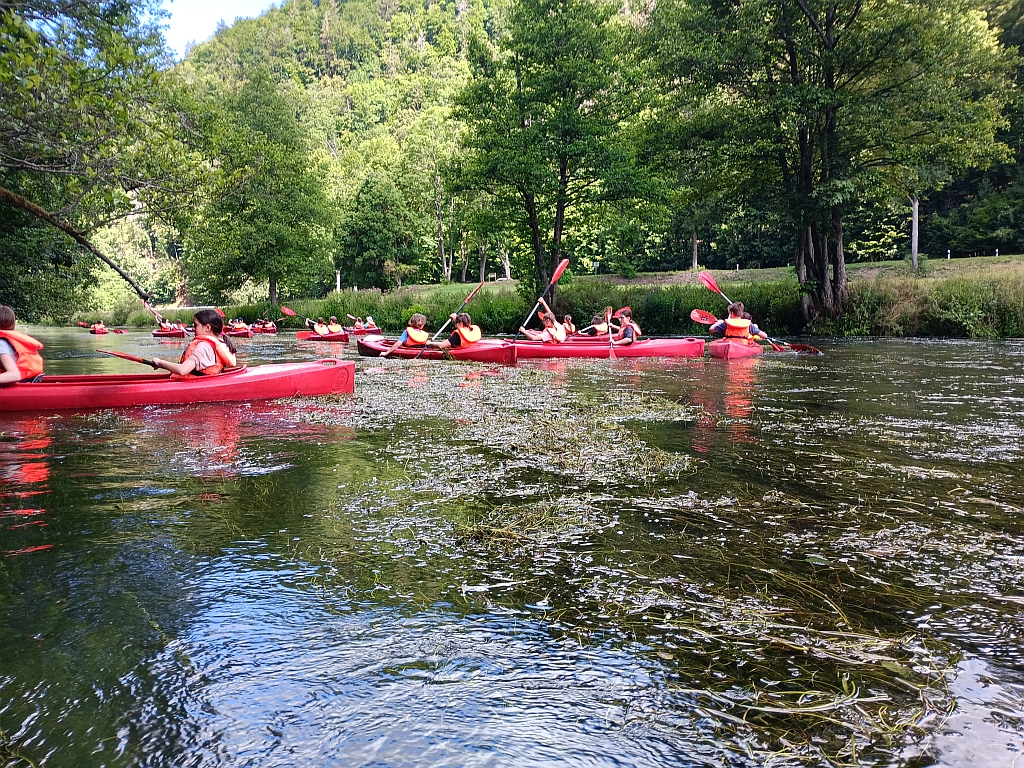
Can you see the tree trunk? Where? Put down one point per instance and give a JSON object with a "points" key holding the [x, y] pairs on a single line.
{"points": [[483, 260], [505, 261], [273, 289], [840, 285], [693, 239], [915, 208], [543, 276], [465, 257], [16, 200], [446, 265]]}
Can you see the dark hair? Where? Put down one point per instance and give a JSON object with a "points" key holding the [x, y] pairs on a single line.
{"points": [[748, 316], [626, 312], [7, 318], [463, 318], [213, 319], [737, 309], [334, 319], [596, 320]]}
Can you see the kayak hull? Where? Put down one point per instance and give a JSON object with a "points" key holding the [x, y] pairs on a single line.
{"points": [[263, 329], [262, 382], [177, 333], [733, 349], [353, 331], [240, 333], [688, 347], [96, 332], [496, 351], [310, 336]]}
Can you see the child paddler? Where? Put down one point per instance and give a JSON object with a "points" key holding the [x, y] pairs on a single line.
{"points": [[628, 330], [209, 352], [19, 353], [99, 325], [333, 326], [319, 327], [553, 333], [465, 333], [598, 326], [738, 325], [567, 323], [412, 336]]}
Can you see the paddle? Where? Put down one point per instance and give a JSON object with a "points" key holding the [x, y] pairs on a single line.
{"points": [[293, 313], [554, 279], [702, 317], [441, 329], [126, 356], [801, 349], [84, 325], [611, 339], [117, 331]]}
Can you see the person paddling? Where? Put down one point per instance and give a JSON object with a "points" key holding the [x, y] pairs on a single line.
{"points": [[19, 353], [319, 327], [209, 352], [465, 333], [553, 333], [98, 326], [738, 325], [567, 323], [628, 330], [371, 324], [333, 326], [358, 323], [412, 336], [598, 327]]}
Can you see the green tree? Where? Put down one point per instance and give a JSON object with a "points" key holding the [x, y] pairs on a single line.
{"points": [[542, 112], [807, 101], [267, 216], [378, 246]]}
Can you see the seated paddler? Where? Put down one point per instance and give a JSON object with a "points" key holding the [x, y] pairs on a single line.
{"points": [[413, 335], [19, 353], [465, 333], [209, 352]]}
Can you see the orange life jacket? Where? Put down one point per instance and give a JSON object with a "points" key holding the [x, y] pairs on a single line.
{"points": [[557, 333], [600, 328], [358, 325], [224, 356], [469, 335], [737, 328], [371, 324], [569, 327], [417, 338], [98, 326], [334, 328], [322, 330], [30, 362], [624, 324]]}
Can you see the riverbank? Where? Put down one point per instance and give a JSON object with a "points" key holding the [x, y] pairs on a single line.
{"points": [[981, 298]]}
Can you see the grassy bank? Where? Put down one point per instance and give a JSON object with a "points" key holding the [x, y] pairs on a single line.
{"points": [[966, 298]]}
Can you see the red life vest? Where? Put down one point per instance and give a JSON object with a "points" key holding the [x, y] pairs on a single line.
{"points": [[98, 327], [417, 337], [30, 362], [358, 325], [224, 356], [556, 333], [469, 335], [623, 325], [737, 328], [569, 327]]}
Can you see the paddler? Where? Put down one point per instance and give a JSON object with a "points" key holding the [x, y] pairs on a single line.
{"points": [[553, 333], [333, 326], [209, 352], [628, 331], [465, 333], [598, 326], [19, 353], [371, 324], [413, 335], [98, 326], [738, 325], [319, 327], [567, 323]]}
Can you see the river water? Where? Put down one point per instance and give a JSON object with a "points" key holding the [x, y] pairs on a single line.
{"points": [[783, 561]]}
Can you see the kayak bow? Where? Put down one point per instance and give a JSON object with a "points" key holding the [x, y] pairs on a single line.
{"points": [[484, 351]]}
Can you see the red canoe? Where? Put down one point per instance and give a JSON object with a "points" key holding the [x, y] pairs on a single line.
{"points": [[484, 351], [174, 333], [98, 331], [264, 329], [688, 347], [241, 333], [732, 349], [310, 336], [263, 382]]}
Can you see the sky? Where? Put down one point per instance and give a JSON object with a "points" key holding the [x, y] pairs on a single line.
{"points": [[196, 20]]}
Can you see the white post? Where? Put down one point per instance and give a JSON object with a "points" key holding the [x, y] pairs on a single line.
{"points": [[737, 266], [997, 251], [337, 280], [947, 254]]}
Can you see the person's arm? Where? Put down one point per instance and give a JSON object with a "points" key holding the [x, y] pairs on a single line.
{"points": [[757, 332], [531, 334], [9, 366], [717, 328], [627, 337], [397, 344], [182, 369]]}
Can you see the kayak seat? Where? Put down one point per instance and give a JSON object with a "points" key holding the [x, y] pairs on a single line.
{"points": [[37, 379]]}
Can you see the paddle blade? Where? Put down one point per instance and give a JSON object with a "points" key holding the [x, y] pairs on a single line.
{"points": [[559, 270], [126, 356], [619, 311], [702, 317], [708, 282], [470, 297], [288, 312], [116, 330], [83, 325], [805, 349]]}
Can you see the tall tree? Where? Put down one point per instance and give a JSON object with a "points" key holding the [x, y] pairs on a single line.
{"points": [[542, 111], [268, 217], [814, 97]]}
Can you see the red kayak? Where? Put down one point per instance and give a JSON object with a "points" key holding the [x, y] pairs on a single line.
{"points": [[733, 349], [98, 331], [484, 351], [270, 328], [588, 347], [352, 330], [311, 336], [240, 333], [263, 382], [174, 333]]}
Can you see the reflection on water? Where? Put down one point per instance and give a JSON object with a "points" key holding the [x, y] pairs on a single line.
{"points": [[776, 561]]}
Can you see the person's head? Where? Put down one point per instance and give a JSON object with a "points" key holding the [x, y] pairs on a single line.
{"points": [[596, 320], [736, 309], [568, 319], [320, 320], [626, 313], [417, 321], [369, 319], [208, 319], [463, 319], [334, 320], [747, 316], [548, 319], [7, 318]]}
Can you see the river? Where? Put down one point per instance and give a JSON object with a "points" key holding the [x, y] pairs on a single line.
{"points": [[783, 561]]}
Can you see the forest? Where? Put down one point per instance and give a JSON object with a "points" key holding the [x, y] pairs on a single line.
{"points": [[384, 143]]}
